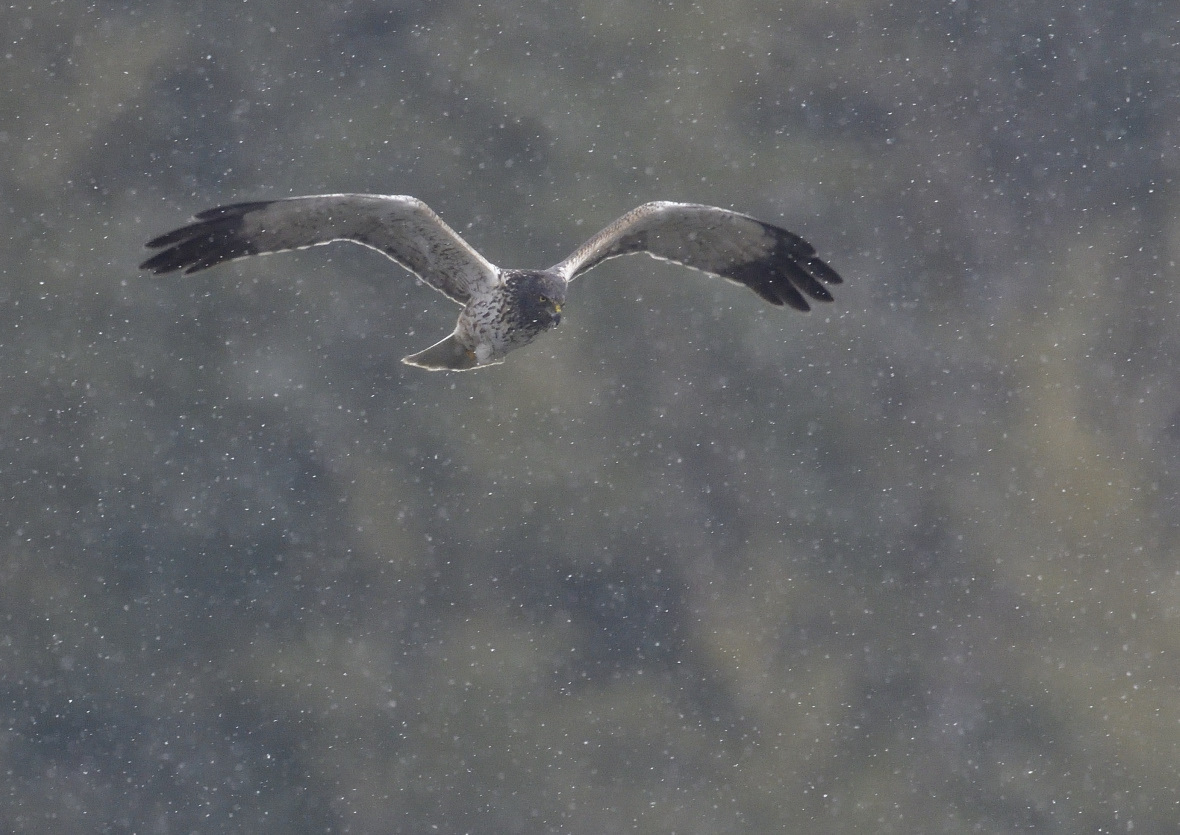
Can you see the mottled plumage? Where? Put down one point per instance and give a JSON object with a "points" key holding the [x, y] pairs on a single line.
{"points": [[502, 309]]}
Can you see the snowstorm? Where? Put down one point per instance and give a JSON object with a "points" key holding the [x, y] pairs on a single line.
{"points": [[690, 562]]}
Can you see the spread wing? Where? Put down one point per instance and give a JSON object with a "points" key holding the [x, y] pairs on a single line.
{"points": [[403, 228], [776, 264]]}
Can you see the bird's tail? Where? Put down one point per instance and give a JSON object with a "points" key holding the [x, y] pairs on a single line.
{"points": [[447, 355]]}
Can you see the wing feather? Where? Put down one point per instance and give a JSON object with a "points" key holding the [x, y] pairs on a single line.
{"points": [[401, 227], [776, 264]]}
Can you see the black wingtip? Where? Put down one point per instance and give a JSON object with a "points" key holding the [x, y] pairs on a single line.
{"points": [[791, 297], [822, 271], [215, 237], [790, 273], [169, 238], [159, 263]]}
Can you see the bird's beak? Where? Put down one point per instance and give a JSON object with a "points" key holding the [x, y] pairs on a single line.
{"points": [[556, 307]]}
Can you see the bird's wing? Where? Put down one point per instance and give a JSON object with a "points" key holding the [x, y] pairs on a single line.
{"points": [[776, 264], [403, 228]]}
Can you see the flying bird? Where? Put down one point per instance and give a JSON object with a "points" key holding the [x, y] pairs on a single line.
{"points": [[502, 309]]}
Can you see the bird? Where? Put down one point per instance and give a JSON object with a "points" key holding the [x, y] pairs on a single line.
{"points": [[503, 309]]}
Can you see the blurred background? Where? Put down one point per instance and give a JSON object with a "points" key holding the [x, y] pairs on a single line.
{"points": [[689, 563]]}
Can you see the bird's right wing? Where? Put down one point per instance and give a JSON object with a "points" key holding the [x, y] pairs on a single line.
{"points": [[403, 228]]}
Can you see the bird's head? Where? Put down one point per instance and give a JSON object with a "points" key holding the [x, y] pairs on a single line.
{"points": [[537, 297]]}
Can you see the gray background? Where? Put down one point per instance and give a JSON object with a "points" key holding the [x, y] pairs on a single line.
{"points": [[688, 564]]}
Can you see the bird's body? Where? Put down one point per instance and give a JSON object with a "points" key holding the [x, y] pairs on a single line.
{"points": [[502, 309], [513, 313]]}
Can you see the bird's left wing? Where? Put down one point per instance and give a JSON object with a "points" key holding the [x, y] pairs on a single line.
{"points": [[776, 264], [403, 228]]}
